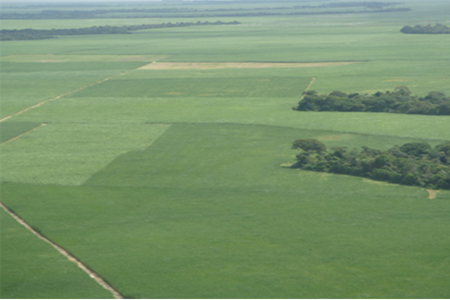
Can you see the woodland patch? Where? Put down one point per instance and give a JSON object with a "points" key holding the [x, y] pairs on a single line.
{"points": [[416, 164], [398, 101]]}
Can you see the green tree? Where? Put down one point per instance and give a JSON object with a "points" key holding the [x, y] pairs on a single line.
{"points": [[309, 145]]}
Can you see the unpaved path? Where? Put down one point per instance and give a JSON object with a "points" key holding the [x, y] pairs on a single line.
{"points": [[310, 84], [236, 65], [64, 252]]}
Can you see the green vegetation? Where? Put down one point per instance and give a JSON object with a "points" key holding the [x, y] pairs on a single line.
{"points": [[239, 87], [11, 130], [39, 34], [27, 84], [411, 164], [48, 274], [427, 29], [71, 153], [176, 183], [397, 101]]}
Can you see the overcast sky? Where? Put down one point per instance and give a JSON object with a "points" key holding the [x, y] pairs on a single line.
{"points": [[72, 1]]}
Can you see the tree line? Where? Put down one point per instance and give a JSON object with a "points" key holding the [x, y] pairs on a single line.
{"points": [[399, 100], [416, 164], [426, 29], [35, 34]]}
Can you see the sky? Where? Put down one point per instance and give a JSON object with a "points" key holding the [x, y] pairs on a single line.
{"points": [[72, 1]]}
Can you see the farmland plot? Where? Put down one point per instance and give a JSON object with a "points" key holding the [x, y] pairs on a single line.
{"points": [[169, 182]]}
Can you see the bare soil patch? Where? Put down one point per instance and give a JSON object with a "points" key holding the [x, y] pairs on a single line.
{"points": [[235, 65], [432, 194], [396, 80]]}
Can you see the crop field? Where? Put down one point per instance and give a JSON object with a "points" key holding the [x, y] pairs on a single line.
{"points": [[160, 158]]}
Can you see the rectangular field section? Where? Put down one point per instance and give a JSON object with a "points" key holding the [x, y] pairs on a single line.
{"points": [[68, 154], [264, 87]]}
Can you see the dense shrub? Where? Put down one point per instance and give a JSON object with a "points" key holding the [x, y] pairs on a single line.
{"points": [[399, 100], [410, 164]]}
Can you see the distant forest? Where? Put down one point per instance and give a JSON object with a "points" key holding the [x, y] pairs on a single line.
{"points": [[36, 34], [398, 101], [427, 29], [415, 164], [187, 12]]}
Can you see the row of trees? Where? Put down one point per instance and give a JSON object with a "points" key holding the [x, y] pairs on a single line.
{"points": [[415, 164], [34, 34], [399, 100], [426, 29]]}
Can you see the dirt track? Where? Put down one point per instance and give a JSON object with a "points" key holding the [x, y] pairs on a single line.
{"points": [[235, 65]]}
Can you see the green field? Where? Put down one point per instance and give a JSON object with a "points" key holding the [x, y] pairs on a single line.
{"points": [[170, 183]]}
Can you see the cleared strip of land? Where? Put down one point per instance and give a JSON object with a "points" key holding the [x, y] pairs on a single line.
{"points": [[236, 65], [64, 252]]}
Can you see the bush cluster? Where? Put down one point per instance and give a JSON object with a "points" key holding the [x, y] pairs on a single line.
{"points": [[398, 101], [427, 29], [415, 164]]}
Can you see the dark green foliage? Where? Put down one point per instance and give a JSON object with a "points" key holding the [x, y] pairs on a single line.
{"points": [[398, 101], [427, 29], [415, 149], [410, 164], [35, 34], [309, 145]]}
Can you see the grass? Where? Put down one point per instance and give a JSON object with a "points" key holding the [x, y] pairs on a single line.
{"points": [[50, 58], [71, 153], [223, 156], [319, 241], [26, 84], [168, 182], [32, 269], [11, 130], [268, 87]]}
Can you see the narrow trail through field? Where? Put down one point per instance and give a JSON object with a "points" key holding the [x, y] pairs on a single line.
{"points": [[60, 96], [310, 84], [21, 135], [69, 256]]}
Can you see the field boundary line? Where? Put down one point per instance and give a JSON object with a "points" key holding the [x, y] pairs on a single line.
{"points": [[64, 252], [60, 96], [22, 134]]}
